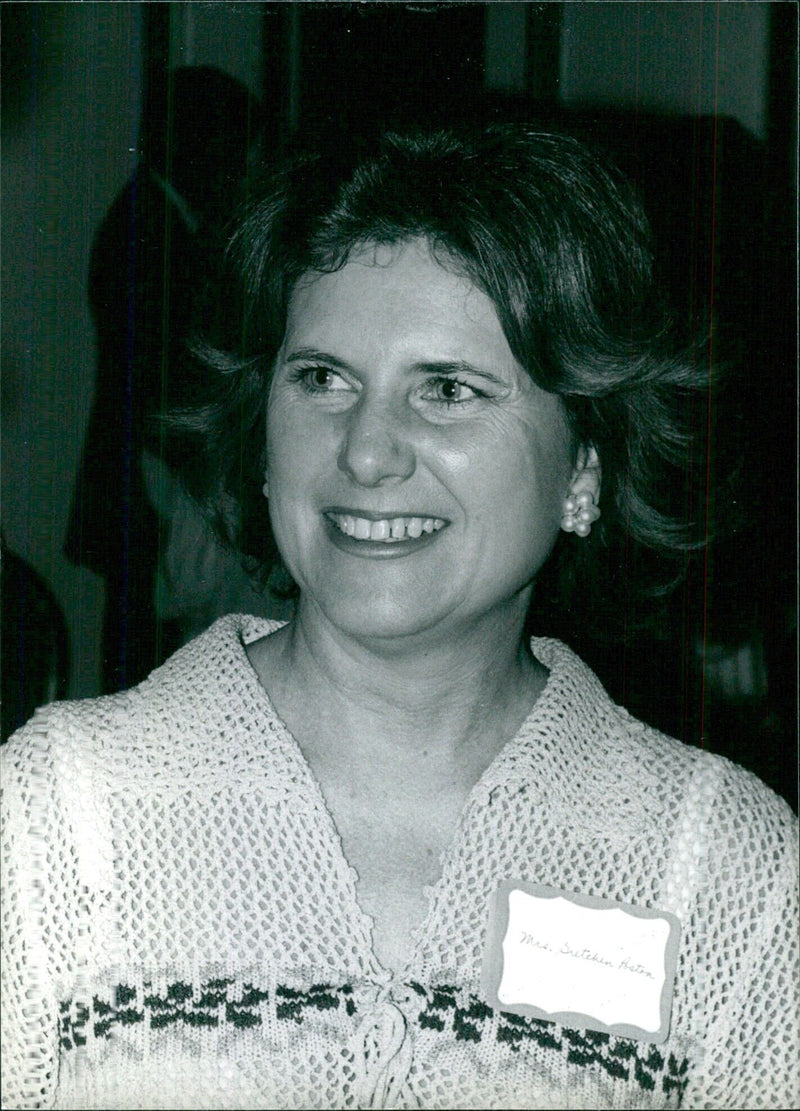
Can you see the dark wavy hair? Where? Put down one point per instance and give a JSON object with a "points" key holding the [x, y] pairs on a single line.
{"points": [[560, 244]]}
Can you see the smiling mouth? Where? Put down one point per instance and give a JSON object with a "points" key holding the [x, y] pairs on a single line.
{"points": [[385, 530]]}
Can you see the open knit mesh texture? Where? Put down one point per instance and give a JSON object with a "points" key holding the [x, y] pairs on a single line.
{"points": [[181, 929]]}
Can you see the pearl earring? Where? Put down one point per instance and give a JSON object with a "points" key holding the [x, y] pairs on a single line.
{"points": [[580, 513]]}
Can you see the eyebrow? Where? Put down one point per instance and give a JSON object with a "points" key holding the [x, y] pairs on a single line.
{"points": [[311, 354], [440, 366]]}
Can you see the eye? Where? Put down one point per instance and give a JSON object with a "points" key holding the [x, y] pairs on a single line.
{"points": [[450, 391], [320, 380]]}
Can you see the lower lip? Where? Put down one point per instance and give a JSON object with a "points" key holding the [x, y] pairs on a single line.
{"points": [[378, 549]]}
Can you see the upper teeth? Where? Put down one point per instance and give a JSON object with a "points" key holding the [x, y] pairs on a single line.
{"points": [[389, 529]]}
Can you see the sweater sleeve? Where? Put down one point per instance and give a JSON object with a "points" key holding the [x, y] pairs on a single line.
{"points": [[35, 880], [750, 967]]}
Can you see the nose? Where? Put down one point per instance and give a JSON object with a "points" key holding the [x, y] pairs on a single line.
{"points": [[377, 448]]}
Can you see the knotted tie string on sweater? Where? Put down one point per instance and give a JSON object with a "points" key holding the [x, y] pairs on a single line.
{"points": [[383, 1051]]}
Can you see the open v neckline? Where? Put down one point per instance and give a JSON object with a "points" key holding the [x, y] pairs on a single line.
{"points": [[490, 778]]}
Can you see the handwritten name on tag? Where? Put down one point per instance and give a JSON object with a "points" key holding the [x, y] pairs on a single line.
{"points": [[581, 961]]}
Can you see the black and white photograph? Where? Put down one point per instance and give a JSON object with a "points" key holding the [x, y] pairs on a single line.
{"points": [[399, 555]]}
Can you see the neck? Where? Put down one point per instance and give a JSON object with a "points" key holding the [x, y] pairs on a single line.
{"points": [[442, 696]]}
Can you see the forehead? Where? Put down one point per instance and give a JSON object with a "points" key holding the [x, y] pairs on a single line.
{"points": [[400, 292]]}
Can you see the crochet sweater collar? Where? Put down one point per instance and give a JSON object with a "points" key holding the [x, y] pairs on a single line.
{"points": [[573, 746]]}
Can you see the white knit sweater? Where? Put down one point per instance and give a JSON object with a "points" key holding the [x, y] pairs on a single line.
{"points": [[180, 927]]}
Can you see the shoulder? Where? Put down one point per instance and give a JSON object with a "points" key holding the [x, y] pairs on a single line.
{"points": [[180, 720], [633, 772]]}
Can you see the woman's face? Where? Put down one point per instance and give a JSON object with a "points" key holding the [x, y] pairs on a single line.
{"points": [[416, 472]]}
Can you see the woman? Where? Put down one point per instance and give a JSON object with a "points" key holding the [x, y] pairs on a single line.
{"points": [[392, 853]]}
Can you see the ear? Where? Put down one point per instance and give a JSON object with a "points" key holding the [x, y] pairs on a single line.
{"points": [[587, 473]]}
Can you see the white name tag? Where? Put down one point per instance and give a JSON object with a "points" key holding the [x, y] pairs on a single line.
{"points": [[583, 962]]}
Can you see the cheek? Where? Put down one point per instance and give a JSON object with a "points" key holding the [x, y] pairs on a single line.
{"points": [[515, 469], [290, 443], [545, 455], [300, 456], [286, 478]]}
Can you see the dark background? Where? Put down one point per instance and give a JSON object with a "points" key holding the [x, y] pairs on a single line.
{"points": [[697, 102]]}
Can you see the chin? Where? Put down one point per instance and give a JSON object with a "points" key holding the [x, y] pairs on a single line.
{"points": [[386, 622], [427, 621], [382, 617]]}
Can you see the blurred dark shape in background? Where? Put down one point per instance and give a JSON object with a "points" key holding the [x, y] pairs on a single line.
{"points": [[35, 649], [147, 265], [21, 74]]}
